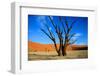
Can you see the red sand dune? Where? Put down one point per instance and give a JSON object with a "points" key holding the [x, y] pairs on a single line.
{"points": [[33, 46]]}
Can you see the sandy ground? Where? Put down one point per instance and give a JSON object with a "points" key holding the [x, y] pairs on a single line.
{"points": [[77, 54]]}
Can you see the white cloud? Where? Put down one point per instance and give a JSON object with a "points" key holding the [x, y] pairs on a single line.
{"points": [[50, 28], [82, 43], [74, 38], [78, 34], [41, 20]]}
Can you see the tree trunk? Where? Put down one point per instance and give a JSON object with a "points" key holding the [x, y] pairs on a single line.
{"points": [[64, 51], [59, 53]]}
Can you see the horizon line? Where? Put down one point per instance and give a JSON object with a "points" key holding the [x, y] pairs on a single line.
{"points": [[57, 43]]}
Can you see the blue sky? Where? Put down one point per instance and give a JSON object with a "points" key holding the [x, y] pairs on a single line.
{"points": [[36, 22]]}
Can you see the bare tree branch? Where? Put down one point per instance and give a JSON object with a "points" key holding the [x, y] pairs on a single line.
{"points": [[62, 24], [71, 36], [66, 22], [72, 42], [46, 33], [63, 33], [72, 24]]}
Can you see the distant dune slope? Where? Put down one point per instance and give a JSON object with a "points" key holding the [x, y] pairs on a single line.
{"points": [[33, 46]]}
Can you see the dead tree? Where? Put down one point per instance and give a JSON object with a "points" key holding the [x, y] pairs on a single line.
{"points": [[67, 37], [52, 37], [63, 33]]}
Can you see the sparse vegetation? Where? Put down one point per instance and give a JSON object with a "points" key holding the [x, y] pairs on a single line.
{"points": [[53, 55]]}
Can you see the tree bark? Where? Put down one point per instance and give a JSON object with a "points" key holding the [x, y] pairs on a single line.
{"points": [[64, 51]]}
